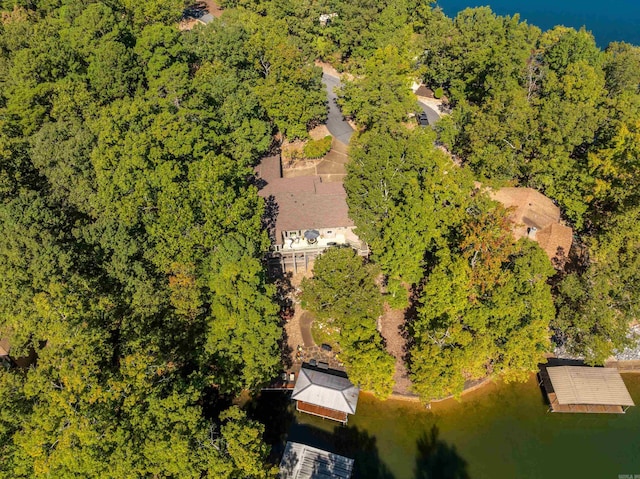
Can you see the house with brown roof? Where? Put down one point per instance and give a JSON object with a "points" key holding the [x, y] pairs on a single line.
{"points": [[536, 217], [305, 215], [4, 351]]}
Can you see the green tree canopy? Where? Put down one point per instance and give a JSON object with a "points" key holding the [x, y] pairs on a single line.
{"points": [[381, 96], [405, 196], [343, 293], [132, 261], [596, 307], [485, 310]]}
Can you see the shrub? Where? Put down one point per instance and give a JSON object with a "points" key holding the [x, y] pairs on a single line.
{"points": [[397, 295], [439, 93], [317, 148]]}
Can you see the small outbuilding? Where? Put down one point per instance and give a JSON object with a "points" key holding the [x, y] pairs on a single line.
{"points": [[327, 393], [585, 389], [305, 462], [205, 19]]}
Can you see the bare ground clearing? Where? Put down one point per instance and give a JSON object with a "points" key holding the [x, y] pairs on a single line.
{"points": [[391, 328]]}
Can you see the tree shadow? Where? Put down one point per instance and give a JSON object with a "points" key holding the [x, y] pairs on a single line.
{"points": [[438, 460], [270, 216], [275, 410], [361, 446], [406, 328]]}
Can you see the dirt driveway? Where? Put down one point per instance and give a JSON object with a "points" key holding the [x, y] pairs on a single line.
{"points": [[391, 327]]}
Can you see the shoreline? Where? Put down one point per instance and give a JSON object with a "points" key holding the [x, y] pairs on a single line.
{"points": [[623, 366]]}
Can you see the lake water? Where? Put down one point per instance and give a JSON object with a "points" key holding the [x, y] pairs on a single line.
{"points": [[498, 432], [613, 20]]}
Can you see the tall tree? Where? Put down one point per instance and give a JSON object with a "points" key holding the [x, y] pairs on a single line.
{"points": [[405, 196], [595, 307], [381, 96], [485, 310], [343, 293]]}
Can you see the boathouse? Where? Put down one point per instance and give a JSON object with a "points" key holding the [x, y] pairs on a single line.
{"points": [[585, 389], [305, 462], [327, 393]]}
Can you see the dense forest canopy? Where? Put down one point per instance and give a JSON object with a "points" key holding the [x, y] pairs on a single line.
{"points": [[133, 238], [552, 111], [132, 260]]}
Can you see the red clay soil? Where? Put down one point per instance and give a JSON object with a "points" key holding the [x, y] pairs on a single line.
{"points": [[391, 323], [213, 8]]}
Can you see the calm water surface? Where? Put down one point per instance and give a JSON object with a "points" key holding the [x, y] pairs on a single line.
{"points": [[613, 20], [499, 432]]}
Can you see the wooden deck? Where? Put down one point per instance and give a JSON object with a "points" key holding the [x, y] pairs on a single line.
{"points": [[323, 412], [300, 260], [582, 408], [282, 384]]}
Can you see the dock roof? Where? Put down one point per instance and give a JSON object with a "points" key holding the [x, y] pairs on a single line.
{"points": [[589, 385], [326, 389], [305, 462]]}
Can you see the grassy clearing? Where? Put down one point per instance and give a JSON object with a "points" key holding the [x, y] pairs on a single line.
{"points": [[325, 334]]}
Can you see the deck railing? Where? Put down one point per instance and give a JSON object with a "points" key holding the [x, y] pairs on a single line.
{"points": [[360, 246], [300, 258]]}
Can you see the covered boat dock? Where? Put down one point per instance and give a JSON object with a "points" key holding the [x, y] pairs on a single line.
{"points": [[585, 389], [326, 393], [305, 462]]}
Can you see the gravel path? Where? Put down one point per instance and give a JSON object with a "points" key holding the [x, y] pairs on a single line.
{"points": [[305, 328], [628, 354], [632, 353]]}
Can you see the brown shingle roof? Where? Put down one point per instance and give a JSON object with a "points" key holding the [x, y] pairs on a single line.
{"points": [[555, 239], [269, 168], [425, 92], [4, 347], [531, 209], [303, 202]]}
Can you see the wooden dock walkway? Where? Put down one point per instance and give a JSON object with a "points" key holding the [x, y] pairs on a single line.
{"points": [[581, 408], [286, 382], [322, 412]]}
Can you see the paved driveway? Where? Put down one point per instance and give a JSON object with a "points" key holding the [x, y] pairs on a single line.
{"points": [[432, 115], [338, 127]]}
